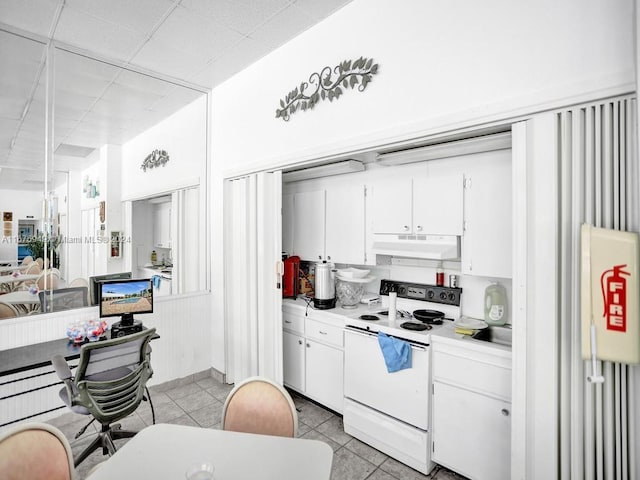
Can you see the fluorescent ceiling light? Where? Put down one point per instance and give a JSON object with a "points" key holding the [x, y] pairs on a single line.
{"points": [[485, 143], [348, 166]]}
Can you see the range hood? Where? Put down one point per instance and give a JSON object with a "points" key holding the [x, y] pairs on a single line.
{"points": [[434, 247]]}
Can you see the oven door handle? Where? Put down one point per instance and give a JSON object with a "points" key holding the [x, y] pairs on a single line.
{"points": [[357, 331]]}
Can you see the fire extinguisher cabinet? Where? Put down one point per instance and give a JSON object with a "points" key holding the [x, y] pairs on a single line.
{"points": [[610, 294]]}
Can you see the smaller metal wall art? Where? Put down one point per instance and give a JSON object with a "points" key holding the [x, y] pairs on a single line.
{"points": [[328, 84], [156, 158]]}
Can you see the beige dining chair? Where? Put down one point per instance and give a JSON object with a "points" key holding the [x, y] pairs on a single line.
{"points": [[259, 405], [33, 268], [35, 451], [40, 262], [48, 281], [27, 260], [8, 311], [79, 282]]}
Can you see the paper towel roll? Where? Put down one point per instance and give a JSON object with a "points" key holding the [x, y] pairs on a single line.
{"points": [[392, 305]]}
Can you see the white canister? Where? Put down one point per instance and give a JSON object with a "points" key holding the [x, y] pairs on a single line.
{"points": [[495, 304], [392, 305]]}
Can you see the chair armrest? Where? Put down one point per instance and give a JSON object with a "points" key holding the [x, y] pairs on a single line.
{"points": [[61, 367]]}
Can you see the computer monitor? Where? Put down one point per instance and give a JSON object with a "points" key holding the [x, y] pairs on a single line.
{"points": [[94, 291], [124, 298]]}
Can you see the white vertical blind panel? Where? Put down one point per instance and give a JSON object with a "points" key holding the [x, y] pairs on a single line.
{"points": [[601, 188]]}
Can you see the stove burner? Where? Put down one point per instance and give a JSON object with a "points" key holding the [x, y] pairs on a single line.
{"points": [[415, 326], [369, 318]]}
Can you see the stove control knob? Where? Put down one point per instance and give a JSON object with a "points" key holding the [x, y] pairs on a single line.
{"points": [[430, 294], [452, 297], [402, 292], [443, 296]]}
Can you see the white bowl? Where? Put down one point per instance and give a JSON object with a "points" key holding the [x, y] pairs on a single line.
{"points": [[353, 272]]}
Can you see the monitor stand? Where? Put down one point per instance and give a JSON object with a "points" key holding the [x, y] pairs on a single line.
{"points": [[126, 326]]}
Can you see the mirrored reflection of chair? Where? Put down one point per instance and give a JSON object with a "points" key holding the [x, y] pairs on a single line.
{"points": [[259, 405], [35, 451], [48, 281], [63, 299], [40, 262], [8, 311], [79, 282], [33, 268], [27, 260], [109, 385]]}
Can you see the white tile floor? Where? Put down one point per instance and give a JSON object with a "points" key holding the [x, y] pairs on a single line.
{"points": [[200, 403]]}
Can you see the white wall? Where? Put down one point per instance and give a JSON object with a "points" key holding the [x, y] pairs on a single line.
{"points": [[439, 64], [183, 135]]}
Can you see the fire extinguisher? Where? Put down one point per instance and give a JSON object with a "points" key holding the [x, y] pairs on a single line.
{"points": [[614, 297]]}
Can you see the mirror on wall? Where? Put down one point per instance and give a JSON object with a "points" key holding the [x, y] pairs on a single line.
{"points": [[108, 121]]}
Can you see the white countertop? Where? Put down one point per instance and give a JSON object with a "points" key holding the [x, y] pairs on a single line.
{"points": [[343, 317]]}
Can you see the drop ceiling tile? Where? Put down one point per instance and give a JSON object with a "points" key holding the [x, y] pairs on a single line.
{"points": [[198, 35], [96, 35], [143, 83], [283, 27], [243, 16], [138, 15], [123, 98], [161, 56], [74, 100], [34, 15], [320, 10]]}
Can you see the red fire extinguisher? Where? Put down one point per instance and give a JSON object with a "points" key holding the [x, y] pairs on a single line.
{"points": [[614, 297]]}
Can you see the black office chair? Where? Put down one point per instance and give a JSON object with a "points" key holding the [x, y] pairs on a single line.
{"points": [[63, 299], [109, 385]]}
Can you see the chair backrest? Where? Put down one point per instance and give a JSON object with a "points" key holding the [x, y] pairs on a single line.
{"points": [[112, 374], [8, 311], [40, 262], [79, 282], [27, 260], [36, 451], [33, 268], [48, 280], [259, 405], [63, 299]]}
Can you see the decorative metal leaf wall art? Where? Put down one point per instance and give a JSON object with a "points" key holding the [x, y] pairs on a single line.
{"points": [[155, 159], [328, 84]]}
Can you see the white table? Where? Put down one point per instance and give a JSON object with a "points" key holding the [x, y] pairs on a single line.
{"points": [[11, 268], [165, 451], [22, 300], [9, 283]]}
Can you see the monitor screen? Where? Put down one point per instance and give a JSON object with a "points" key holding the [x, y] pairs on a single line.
{"points": [[125, 298], [95, 280]]}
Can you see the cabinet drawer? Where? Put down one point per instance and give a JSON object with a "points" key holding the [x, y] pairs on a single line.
{"points": [[322, 332], [486, 376], [293, 323]]}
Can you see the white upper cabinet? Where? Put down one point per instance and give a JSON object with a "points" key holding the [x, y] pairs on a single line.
{"points": [[437, 204], [162, 225], [287, 223], [345, 225], [309, 225], [486, 243], [327, 223], [423, 203], [391, 206]]}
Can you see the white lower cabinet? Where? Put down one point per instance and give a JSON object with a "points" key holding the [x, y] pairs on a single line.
{"points": [[471, 409], [293, 357], [313, 356]]}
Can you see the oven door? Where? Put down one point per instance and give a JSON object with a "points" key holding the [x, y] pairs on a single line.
{"points": [[403, 395]]}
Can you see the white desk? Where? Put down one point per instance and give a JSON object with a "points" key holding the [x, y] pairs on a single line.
{"points": [[165, 451], [22, 300]]}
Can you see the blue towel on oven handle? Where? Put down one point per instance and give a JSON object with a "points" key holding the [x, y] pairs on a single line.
{"points": [[156, 279], [396, 352]]}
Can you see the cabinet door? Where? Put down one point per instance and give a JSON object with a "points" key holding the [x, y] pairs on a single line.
{"points": [[486, 242], [287, 223], [437, 204], [345, 223], [325, 375], [471, 433], [391, 206], [293, 360], [309, 222], [162, 225]]}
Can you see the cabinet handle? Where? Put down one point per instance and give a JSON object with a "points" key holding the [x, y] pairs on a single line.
{"points": [[505, 412], [405, 228], [322, 333], [308, 345], [287, 321], [419, 228], [299, 342]]}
